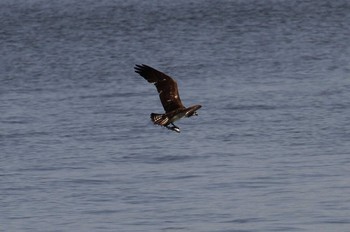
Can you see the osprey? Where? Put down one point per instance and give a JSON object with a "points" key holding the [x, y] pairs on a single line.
{"points": [[169, 97]]}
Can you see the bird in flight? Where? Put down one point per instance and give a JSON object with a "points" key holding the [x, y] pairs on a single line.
{"points": [[169, 97]]}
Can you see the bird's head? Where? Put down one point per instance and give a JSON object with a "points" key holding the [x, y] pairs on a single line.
{"points": [[193, 111]]}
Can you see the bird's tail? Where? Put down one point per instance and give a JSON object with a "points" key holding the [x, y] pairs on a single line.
{"points": [[160, 119]]}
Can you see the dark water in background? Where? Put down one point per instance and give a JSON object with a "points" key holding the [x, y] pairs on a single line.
{"points": [[268, 152]]}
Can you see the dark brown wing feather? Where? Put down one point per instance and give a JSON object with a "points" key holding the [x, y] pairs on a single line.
{"points": [[166, 87]]}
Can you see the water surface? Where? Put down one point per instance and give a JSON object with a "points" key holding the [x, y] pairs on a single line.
{"points": [[268, 152]]}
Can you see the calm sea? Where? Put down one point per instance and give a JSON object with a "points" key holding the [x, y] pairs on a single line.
{"points": [[269, 151]]}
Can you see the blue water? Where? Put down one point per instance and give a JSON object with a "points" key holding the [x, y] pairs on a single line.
{"points": [[269, 150]]}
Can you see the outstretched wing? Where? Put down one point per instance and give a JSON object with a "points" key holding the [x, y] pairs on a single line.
{"points": [[166, 87]]}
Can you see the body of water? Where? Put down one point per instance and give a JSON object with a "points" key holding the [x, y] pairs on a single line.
{"points": [[269, 151]]}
